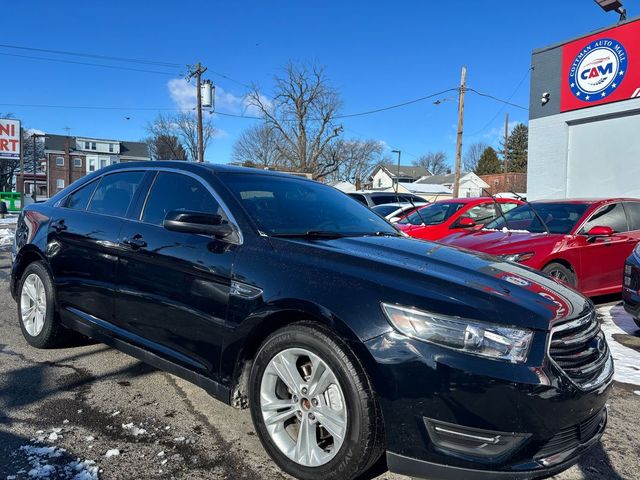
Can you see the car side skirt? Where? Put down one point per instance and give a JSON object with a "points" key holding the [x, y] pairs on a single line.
{"points": [[101, 331]]}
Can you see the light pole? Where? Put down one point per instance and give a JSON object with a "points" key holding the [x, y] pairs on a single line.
{"points": [[398, 172], [613, 6]]}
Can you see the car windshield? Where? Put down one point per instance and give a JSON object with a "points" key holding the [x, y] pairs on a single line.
{"points": [[384, 210], [558, 217], [291, 206], [433, 214]]}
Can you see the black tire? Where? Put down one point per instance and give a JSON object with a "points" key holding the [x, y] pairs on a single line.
{"points": [[364, 440], [52, 333], [637, 321], [561, 273]]}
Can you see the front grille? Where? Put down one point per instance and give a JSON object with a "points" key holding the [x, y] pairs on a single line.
{"points": [[579, 348], [572, 437]]}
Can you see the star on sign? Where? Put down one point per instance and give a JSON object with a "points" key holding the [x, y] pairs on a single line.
{"points": [[614, 85], [587, 97], [573, 85], [577, 94], [604, 94], [621, 72]]}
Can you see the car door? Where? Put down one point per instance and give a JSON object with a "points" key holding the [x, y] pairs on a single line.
{"points": [[83, 243], [173, 287], [602, 258]]}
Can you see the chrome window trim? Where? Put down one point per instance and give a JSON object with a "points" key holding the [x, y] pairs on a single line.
{"points": [[197, 177]]}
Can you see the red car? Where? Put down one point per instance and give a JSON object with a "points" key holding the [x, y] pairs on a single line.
{"points": [[444, 217], [583, 243]]}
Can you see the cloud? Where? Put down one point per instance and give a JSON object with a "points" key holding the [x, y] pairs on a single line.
{"points": [[183, 95], [496, 134]]}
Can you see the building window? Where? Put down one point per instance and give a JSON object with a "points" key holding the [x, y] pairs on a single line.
{"points": [[60, 183], [111, 148], [93, 146], [60, 161], [77, 162], [103, 162]]}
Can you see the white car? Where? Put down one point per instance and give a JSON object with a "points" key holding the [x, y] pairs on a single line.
{"points": [[395, 211]]}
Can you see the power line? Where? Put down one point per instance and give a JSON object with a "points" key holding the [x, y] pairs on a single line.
{"points": [[115, 67], [506, 102], [92, 55]]}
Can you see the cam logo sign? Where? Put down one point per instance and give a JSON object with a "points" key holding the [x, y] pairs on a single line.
{"points": [[599, 69], [9, 139]]}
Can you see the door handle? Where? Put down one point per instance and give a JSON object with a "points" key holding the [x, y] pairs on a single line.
{"points": [[59, 225], [135, 242]]}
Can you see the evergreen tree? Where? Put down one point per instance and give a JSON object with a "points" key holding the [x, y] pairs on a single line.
{"points": [[517, 148], [489, 163]]}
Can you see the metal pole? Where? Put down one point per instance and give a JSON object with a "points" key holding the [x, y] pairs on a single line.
{"points": [[398, 171], [22, 167], [33, 193], [456, 180], [506, 139]]}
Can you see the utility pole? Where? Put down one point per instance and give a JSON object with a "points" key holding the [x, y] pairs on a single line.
{"points": [[456, 179], [398, 172], [22, 167], [506, 139], [199, 70]]}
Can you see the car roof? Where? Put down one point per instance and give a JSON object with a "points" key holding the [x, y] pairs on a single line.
{"points": [[466, 200], [195, 167], [400, 204], [378, 194], [587, 201]]}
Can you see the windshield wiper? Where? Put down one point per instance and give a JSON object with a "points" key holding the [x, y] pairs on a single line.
{"points": [[522, 199], [312, 234], [499, 208]]}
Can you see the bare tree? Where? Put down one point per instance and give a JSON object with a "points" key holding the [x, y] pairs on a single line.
{"points": [[258, 146], [166, 147], [472, 156], [355, 159], [303, 112], [183, 126], [435, 162]]}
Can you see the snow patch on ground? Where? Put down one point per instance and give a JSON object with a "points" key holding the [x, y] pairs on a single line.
{"points": [[6, 236], [42, 462], [626, 360], [9, 220], [135, 431]]}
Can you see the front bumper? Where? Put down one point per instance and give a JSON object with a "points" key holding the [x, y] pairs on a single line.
{"points": [[418, 382]]}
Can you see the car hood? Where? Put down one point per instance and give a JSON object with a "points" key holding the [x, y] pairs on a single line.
{"points": [[443, 279], [502, 242]]}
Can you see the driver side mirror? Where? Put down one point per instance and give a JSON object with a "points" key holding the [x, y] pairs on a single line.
{"points": [[599, 232], [197, 222], [465, 222]]}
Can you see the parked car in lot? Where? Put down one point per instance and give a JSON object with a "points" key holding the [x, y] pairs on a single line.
{"points": [[345, 338], [631, 285], [395, 211], [583, 243], [444, 217], [371, 199]]}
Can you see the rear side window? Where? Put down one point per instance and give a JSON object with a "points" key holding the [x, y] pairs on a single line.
{"points": [[115, 192], [481, 213], [79, 199], [358, 197], [608, 216], [633, 212], [173, 191]]}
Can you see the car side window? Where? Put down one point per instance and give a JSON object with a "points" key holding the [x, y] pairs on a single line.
{"points": [[359, 198], [611, 215], [481, 213], [174, 191], [115, 192], [508, 206], [79, 199], [633, 212]]}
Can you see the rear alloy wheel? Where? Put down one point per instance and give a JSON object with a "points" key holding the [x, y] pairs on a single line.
{"points": [[313, 406], [561, 273], [36, 308]]}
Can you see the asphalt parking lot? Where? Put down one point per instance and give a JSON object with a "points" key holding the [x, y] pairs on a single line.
{"points": [[92, 412]]}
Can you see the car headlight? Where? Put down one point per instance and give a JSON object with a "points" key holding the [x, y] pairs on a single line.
{"points": [[475, 337], [517, 257]]}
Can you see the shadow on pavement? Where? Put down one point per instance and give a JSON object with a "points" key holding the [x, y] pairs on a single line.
{"points": [[595, 464]]}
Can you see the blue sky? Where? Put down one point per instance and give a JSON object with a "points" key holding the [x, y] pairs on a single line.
{"points": [[377, 53]]}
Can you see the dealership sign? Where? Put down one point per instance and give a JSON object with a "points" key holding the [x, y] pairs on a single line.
{"points": [[601, 68], [9, 139]]}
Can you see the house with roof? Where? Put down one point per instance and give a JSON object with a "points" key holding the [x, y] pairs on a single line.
{"points": [[386, 175], [471, 185], [69, 158]]}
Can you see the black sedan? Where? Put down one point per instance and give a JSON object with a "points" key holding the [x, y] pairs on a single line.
{"points": [[346, 339]]}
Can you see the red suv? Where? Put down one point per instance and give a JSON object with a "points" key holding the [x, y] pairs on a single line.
{"points": [[444, 217], [583, 243]]}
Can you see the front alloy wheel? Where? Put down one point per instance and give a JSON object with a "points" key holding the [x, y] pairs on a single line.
{"points": [[313, 405], [303, 407], [33, 304]]}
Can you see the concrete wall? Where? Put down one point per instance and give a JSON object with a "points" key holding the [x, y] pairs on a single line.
{"points": [[601, 143]]}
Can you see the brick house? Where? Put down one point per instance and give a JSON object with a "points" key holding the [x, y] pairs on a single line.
{"points": [[506, 182], [69, 158]]}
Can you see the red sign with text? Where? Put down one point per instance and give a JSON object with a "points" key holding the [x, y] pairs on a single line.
{"points": [[9, 139], [601, 68]]}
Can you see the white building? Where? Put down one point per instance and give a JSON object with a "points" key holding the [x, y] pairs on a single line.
{"points": [[386, 175], [471, 185]]}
